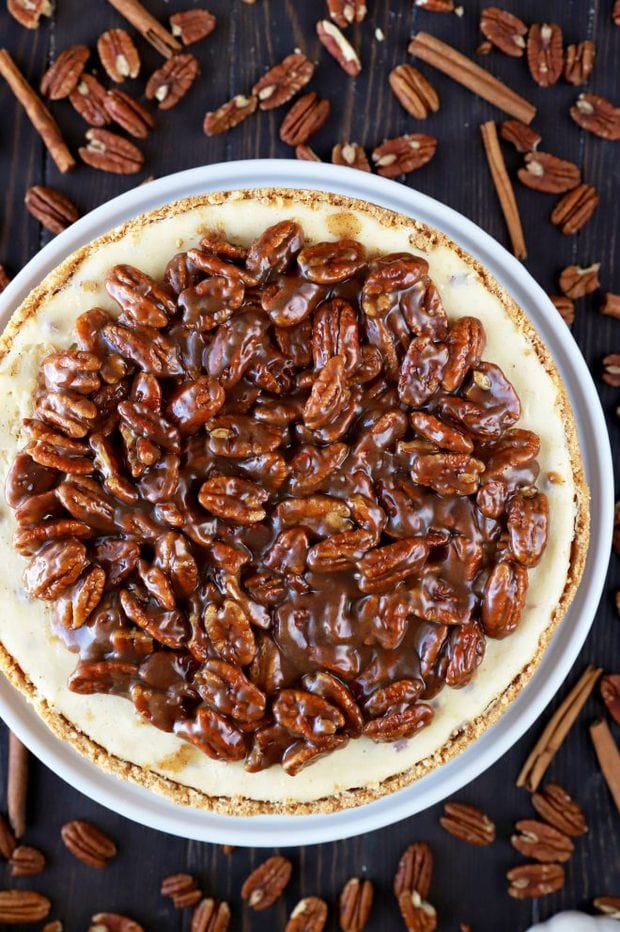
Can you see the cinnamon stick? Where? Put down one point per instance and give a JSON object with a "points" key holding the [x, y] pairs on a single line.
{"points": [[608, 757], [37, 113], [557, 729], [503, 186], [147, 26], [466, 72], [17, 788]]}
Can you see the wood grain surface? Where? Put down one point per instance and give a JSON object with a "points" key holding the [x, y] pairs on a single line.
{"points": [[468, 884]]}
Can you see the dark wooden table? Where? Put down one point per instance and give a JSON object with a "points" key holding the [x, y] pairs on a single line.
{"points": [[468, 883]]}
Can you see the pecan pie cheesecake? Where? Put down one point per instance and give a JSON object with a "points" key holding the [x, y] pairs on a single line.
{"points": [[294, 500]]}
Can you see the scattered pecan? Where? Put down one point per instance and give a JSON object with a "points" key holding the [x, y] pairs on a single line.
{"points": [[506, 31], [436, 6], [403, 154], [109, 152], [283, 81], [22, 907], [29, 12], [414, 871], [26, 861], [610, 693], [414, 92], [211, 916], [304, 119], [484, 48], [89, 99], [579, 62], [4, 278], [468, 823], [565, 307], [229, 114], [339, 47], [574, 210], [418, 915], [118, 55], [611, 370], [88, 843], [266, 882], [597, 115], [529, 881], [306, 154], [113, 922], [608, 905], [545, 172], [172, 81], [575, 281], [62, 76], [523, 137], [346, 12], [182, 889], [355, 904], [54, 926], [129, 113], [545, 55], [7, 839], [615, 13], [52, 209], [310, 915], [541, 842], [610, 305], [350, 154], [192, 25]]}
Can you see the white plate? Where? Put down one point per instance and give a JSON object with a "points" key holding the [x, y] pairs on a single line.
{"points": [[148, 808]]}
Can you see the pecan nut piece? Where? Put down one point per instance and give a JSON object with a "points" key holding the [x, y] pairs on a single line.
{"points": [[330, 263], [62, 76], [414, 871], [29, 12], [275, 249], [228, 690], [504, 598], [523, 137], [350, 154], [266, 882], [329, 687], [118, 55], [339, 47], [579, 62], [306, 715], [399, 723], [109, 152], [545, 55], [211, 916], [506, 31], [346, 12], [597, 115], [129, 114], [104, 676], [113, 922], [545, 172], [89, 99], [304, 119], [26, 861], [381, 568], [22, 907], [88, 843], [310, 915], [541, 842], [141, 299], [182, 889], [278, 85], [52, 209], [533, 880], [329, 396], [414, 92], [528, 517], [574, 210], [192, 25], [608, 905], [575, 281], [565, 308], [468, 823], [233, 498], [55, 567], [230, 632], [555, 806], [418, 915], [403, 154], [172, 81], [229, 114], [213, 734], [610, 694], [355, 904]]}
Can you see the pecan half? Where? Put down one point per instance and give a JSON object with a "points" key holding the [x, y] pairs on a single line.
{"points": [[266, 882], [565, 307], [22, 907], [545, 55], [111, 153], [113, 922], [608, 905], [129, 113], [575, 281], [597, 115], [89, 99], [355, 904], [574, 210], [468, 823], [610, 305], [26, 861], [118, 55], [506, 31], [56, 566], [192, 25], [29, 12], [350, 154], [229, 114], [8, 842], [414, 92], [437, 6], [541, 842], [579, 62], [346, 12], [418, 915], [4, 278], [283, 81], [611, 370], [310, 915], [610, 693], [307, 154], [182, 889], [615, 13], [88, 843], [399, 723], [523, 137], [533, 880], [211, 916], [415, 870], [173, 80], [545, 172], [52, 209], [304, 119], [62, 76], [504, 598], [403, 154], [236, 499], [339, 47]]}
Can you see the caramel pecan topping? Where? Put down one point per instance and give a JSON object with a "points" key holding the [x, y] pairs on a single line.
{"points": [[339, 47], [88, 843], [283, 81], [346, 12], [355, 904], [229, 115], [574, 210], [506, 31], [109, 152], [545, 172], [529, 881], [565, 307], [192, 25], [523, 137], [118, 55], [22, 907], [266, 883], [52, 209], [350, 154], [413, 91], [579, 62], [29, 12], [597, 115], [542, 842], [211, 916], [414, 871], [172, 81], [575, 281], [468, 823], [404, 154], [62, 76], [310, 915], [545, 55], [304, 119]]}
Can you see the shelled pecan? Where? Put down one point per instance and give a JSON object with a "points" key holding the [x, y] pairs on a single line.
{"points": [[555, 806], [579, 62], [111, 153], [414, 92], [171, 82], [29, 12], [113, 922], [415, 870], [88, 843], [304, 119], [129, 114], [351, 154], [523, 138], [230, 114], [118, 55], [266, 883], [192, 25], [418, 915], [310, 915], [545, 54], [355, 904], [575, 281], [22, 907], [62, 76], [506, 31], [346, 12], [529, 881], [26, 861], [542, 842], [548, 173], [597, 115], [278, 85], [574, 210], [468, 823], [211, 916], [339, 47], [565, 307], [53, 210], [182, 890], [89, 99], [404, 154]]}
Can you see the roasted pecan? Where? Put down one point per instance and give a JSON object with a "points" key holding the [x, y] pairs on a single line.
{"points": [[544, 172], [310, 915], [111, 153], [403, 154], [574, 210], [418, 915], [304, 119], [413, 91], [266, 882], [283, 81], [26, 861], [129, 113], [597, 115], [56, 566], [414, 871], [118, 55], [575, 281], [527, 527], [275, 249], [192, 25], [346, 12], [172, 80], [610, 693], [565, 307], [52, 209], [182, 889], [62, 76], [504, 599], [211, 916], [399, 723], [579, 62], [355, 904], [88, 843], [22, 907], [541, 842], [383, 567], [113, 922], [307, 716], [545, 55], [229, 114], [468, 823], [506, 31], [350, 154], [533, 880], [523, 137], [339, 47], [89, 99]]}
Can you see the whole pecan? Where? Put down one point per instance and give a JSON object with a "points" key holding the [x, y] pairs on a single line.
{"points": [[211, 916], [329, 263], [403, 154], [575, 281], [111, 153], [29, 12], [88, 843], [574, 210], [226, 688], [346, 12], [172, 80], [52, 209], [26, 861], [610, 693], [579, 62], [545, 172], [523, 137], [413, 91], [113, 922], [192, 25], [229, 629], [541, 842], [310, 915], [597, 115], [62, 76], [266, 882], [304, 119], [418, 915], [414, 871], [339, 47], [22, 907], [506, 31], [275, 249], [565, 307], [182, 889], [350, 154], [129, 113], [383, 567], [355, 904], [468, 823], [236, 499], [533, 880], [229, 114], [545, 55], [118, 55], [278, 85]]}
